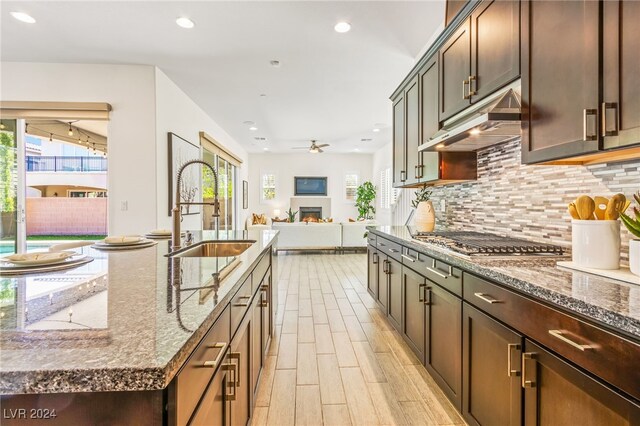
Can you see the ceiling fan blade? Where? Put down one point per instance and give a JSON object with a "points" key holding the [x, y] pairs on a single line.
{"points": [[320, 150], [323, 145], [301, 147]]}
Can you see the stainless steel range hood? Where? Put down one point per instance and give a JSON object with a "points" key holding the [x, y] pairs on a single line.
{"points": [[492, 121]]}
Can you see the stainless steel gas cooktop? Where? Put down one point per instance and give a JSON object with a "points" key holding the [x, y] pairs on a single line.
{"points": [[485, 244]]}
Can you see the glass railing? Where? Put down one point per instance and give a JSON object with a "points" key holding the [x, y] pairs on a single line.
{"points": [[66, 164]]}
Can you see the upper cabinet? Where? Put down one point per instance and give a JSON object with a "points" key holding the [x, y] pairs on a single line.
{"points": [[399, 150], [455, 69], [452, 9]]}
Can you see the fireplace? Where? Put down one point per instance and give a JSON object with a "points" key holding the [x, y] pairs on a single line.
{"points": [[311, 214]]}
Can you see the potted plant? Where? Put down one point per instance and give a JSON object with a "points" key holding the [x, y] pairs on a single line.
{"points": [[633, 225], [291, 215], [365, 194], [425, 219]]}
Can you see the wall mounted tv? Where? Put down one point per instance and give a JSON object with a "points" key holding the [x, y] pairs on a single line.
{"points": [[310, 185]]}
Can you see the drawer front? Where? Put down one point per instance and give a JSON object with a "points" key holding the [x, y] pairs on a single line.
{"points": [[589, 346], [261, 269], [240, 304], [193, 378], [371, 239], [439, 272], [389, 248]]}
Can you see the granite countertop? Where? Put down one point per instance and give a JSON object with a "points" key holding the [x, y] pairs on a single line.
{"points": [[117, 323], [611, 303]]}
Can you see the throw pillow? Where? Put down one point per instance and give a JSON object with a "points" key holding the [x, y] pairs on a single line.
{"points": [[351, 220], [259, 219], [275, 219]]}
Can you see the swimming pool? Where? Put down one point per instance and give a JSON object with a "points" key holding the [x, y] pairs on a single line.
{"points": [[8, 248]]}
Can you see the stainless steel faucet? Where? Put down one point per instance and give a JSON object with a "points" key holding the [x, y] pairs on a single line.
{"points": [[176, 213]]}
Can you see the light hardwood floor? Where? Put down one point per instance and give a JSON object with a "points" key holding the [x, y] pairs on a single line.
{"points": [[335, 359]]}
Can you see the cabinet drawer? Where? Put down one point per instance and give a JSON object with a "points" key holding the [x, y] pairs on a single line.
{"points": [[371, 239], [193, 378], [589, 346], [260, 270], [240, 304], [389, 248], [435, 270]]}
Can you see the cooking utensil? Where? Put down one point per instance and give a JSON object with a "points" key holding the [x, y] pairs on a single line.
{"points": [[615, 205], [585, 207], [573, 211], [601, 206]]}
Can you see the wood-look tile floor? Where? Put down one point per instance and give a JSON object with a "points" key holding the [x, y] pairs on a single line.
{"points": [[335, 359]]}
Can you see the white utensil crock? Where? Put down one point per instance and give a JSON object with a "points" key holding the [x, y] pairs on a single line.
{"points": [[634, 256], [596, 243]]}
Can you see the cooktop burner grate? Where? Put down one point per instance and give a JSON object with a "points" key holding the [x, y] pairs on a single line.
{"points": [[479, 243]]}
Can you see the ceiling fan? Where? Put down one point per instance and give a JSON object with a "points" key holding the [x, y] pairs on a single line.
{"points": [[314, 148]]}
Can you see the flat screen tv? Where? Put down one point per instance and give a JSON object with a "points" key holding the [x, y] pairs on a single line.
{"points": [[310, 185]]}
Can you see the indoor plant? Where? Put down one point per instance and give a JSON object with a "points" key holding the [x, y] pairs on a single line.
{"points": [[291, 215], [365, 194], [425, 219], [633, 225]]}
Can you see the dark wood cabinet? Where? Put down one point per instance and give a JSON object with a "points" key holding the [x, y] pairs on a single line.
{"points": [[443, 350], [452, 9], [455, 69], [495, 46], [555, 392], [394, 273], [266, 308], [560, 79], [215, 401], [241, 361], [412, 132], [256, 342], [413, 324], [373, 260], [492, 394], [383, 282], [620, 109], [399, 151], [428, 77]]}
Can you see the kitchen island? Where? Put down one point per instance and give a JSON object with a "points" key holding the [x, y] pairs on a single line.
{"points": [[107, 340]]}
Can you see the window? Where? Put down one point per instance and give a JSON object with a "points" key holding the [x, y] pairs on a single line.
{"points": [[86, 194], [268, 186], [388, 194], [227, 195], [350, 186]]}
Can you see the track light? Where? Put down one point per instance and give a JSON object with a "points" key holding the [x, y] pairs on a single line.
{"points": [[26, 127], [50, 137], [70, 133]]}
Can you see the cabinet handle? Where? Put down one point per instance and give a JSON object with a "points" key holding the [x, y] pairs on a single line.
{"points": [[605, 107], [486, 298], [232, 383], [403, 176], [585, 114], [392, 250], [223, 347], [265, 291], [527, 383], [558, 334], [433, 269], [375, 258], [418, 171], [421, 292], [236, 355], [471, 91], [427, 295], [409, 258], [381, 244], [387, 270], [245, 304], [464, 89], [510, 348]]}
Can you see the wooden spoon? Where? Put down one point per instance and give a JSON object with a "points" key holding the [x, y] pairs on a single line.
{"points": [[573, 212], [616, 204], [585, 207], [601, 206]]}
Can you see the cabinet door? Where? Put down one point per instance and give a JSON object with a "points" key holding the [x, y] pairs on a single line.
{"points": [[399, 153], [256, 341], [412, 140], [414, 286], [373, 260], [383, 283], [395, 292], [495, 46], [491, 371], [267, 314], [444, 341], [560, 79], [211, 410], [452, 9], [240, 357], [455, 69], [556, 393], [429, 122], [621, 61]]}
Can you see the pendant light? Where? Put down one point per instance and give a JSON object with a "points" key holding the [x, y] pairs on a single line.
{"points": [[70, 133]]}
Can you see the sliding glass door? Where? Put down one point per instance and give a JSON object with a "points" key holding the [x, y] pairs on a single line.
{"points": [[226, 193], [11, 181]]}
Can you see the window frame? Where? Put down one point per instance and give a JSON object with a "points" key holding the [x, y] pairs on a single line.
{"points": [[345, 187], [262, 187]]}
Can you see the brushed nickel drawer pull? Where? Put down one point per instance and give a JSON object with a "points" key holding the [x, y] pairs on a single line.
{"points": [[433, 269], [421, 292], [510, 348], [427, 296], [603, 113], [392, 250], [223, 347], [585, 114], [231, 383], [527, 383], [464, 89], [484, 297], [409, 258], [375, 258], [236, 355], [558, 334], [381, 244], [472, 92]]}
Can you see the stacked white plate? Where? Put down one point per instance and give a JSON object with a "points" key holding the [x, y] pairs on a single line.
{"points": [[37, 259], [159, 234], [124, 242], [38, 262]]}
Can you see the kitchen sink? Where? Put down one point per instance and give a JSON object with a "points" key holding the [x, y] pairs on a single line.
{"points": [[226, 248]]}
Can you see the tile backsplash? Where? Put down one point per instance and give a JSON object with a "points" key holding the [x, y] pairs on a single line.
{"points": [[525, 201]]}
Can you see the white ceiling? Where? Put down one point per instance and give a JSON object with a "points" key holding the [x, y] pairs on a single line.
{"points": [[331, 87]]}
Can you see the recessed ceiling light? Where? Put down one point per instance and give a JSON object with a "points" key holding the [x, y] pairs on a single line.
{"points": [[262, 95], [356, 149], [274, 63], [253, 128], [376, 130], [185, 22], [342, 27], [366, 140], [23, 17], [265, 148]]}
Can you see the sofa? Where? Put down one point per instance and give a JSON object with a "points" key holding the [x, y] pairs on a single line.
{"points": [[250, 226], [308, 236], [353, 234]]}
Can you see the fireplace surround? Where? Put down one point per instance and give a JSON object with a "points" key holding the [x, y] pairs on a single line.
{"points": [[310, 213]]}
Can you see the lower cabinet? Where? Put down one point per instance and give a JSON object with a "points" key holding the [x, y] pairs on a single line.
{"points": [[491, 371], [443, 349], [557, 393], [413, 326], [214, 405], [240, 363], [373, 260], [266, 308], [382, 295], [394, 274], [256, 342]]}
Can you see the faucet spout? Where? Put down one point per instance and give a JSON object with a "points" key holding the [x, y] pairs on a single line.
{"points": [[176, 212]]}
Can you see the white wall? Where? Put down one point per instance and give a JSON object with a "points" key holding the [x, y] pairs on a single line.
{"points": [[382, 159], [130, 90], [177, 113], [287, 166]]}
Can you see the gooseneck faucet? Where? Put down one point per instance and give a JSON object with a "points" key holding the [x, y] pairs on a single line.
{"points": [[176, 213]]}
